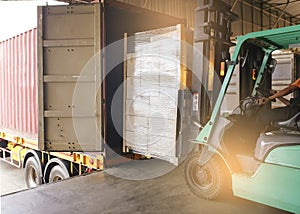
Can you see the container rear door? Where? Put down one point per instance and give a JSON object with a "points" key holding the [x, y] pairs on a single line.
{"points": [[69, 78]]}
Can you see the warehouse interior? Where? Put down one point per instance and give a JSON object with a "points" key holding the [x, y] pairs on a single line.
{"points": [[115, 179]]}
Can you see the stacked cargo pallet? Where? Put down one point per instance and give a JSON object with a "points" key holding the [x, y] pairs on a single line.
{"points": [[154, 75]]}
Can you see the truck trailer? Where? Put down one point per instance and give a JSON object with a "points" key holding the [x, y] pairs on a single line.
{"points": [[40, 70]]}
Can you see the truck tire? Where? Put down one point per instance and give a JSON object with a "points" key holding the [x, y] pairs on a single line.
{"points": [[33, 175], [3, 144], [205, 181], [58, 173]]}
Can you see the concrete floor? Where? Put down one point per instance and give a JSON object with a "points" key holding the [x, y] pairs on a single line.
{"points": [[11, 179], [104, 193]]}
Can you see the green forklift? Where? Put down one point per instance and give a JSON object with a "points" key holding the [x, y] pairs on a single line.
{"points": [[261, 166]]}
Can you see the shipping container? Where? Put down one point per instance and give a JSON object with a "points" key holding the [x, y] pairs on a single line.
{"points": [[101, 27], [18, 75], [42, 128]]}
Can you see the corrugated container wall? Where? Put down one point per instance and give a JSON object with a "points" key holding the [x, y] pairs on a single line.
{"points": [[183, 9], [18, 89], [252, 17]]}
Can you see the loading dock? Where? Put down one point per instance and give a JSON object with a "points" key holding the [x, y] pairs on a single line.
{"points": [[109, 194]]}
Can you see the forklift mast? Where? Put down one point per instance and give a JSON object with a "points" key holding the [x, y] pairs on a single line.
{"points": [[212, 33]]}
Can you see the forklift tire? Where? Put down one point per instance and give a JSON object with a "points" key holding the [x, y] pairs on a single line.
{"points": [[58, 173], [33, 175], [206, 181]]}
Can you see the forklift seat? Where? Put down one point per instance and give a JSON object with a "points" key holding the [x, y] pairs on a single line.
{"points": [[292, 123], [268, 141]]}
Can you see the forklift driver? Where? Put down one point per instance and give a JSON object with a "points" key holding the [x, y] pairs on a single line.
{"points": [[266, 116]]}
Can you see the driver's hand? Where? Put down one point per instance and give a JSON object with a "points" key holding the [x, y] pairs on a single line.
{"points": [[262, 101], [272, 91]]}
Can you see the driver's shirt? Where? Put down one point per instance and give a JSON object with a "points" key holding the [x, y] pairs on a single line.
{"points": [[296, 83]]}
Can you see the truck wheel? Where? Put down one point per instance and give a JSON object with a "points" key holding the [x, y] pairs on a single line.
{"points": [[205, 181], [3, 144], [58, 173], [33, 175]]}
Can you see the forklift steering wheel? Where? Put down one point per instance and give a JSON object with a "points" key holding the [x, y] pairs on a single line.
{"points": [[262, 93], [246, 107]]}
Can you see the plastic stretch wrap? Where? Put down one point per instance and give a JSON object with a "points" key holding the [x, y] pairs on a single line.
{"points": [[153, 80]]}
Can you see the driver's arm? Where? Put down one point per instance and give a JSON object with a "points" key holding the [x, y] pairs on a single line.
{"points": [[284, 91], [284, 101]]}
